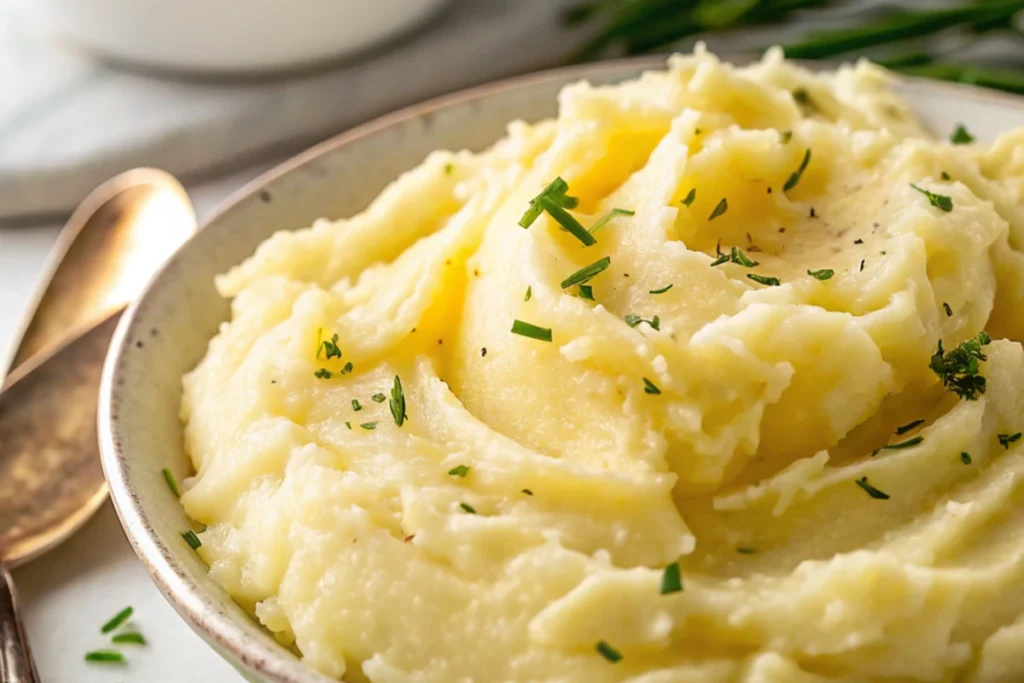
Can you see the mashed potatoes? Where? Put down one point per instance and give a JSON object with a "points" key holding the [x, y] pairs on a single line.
{"points": [[714, 445]]}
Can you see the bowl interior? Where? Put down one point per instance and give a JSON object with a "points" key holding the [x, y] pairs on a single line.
{"points": [[166, 332]]}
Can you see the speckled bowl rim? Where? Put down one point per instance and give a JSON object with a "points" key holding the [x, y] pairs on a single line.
{"points": [[258, 658]]}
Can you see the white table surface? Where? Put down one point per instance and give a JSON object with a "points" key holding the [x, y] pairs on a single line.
{"points": [[71, 591]]}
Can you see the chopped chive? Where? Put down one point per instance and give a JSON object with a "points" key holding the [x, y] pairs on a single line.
{"points": [[397, 402], [671, 581], [348, 424], [193, 540], [330, 347], [944, 176], [823, 274], [798, 173], [871, 490], [526, 329], [528, 492], [660, 291], [1006, 439], [965, 458], [468, 508], [172, 483], [949, 311], [907, 427], [104, 656], [608, 652], [720, 208], [529, 293], [650, 387], [368, 425], [459, 471], [556, 189], [133, 637], [803, 98], [938, 200], [722, 258], [587, 272], [605, 219], [587, 292], [960, 136], [744, 550], [690, 196], [787, 136], [634, 320], [347, 369], [764, 280], [565, 219], [323, 373], [737, 256], [909, 443], [116, 620], [378, 398], [356, 406]]}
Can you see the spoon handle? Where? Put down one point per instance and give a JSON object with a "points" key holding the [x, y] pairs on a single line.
{"points": [[15, 659]]}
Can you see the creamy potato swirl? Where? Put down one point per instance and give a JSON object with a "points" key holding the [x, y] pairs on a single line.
{"points": [[834, 512]]}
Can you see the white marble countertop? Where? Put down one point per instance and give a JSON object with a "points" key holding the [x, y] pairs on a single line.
{"points": [[71, 591]]}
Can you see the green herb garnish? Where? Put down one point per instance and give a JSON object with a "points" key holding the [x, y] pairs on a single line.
{"points": [[116, 620], [949, 311], [605, 219], [871, 490], [525, 329], [397, 402], [349, 425], [634, 320], [720, 208], [172, 483], [587, 272], [356, 406], [323, 373], [369, 425], [660, 291], [786, 136], [448, 168], [736, 256], [529, 293], [650, 387], [960, 136], [193, 540], [909, 443], [566, 220], [958, 369], [378, 398], [459, 471], [1006, 439], [907, 427], [587, 292], [328, 347], [690, 196], [133, 638], [938, 200], [528, 492], [743, 550], [608, 652], [803, 98], [104, 656], [823, 274], [556, 191], [764, 280], [347, 369], [965, 458], [671, 581], [722, 258], [468, 508], [798, 173]]}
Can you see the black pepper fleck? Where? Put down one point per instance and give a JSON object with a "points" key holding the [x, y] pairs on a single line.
{"points": [[813, 215], [483, 351], [265, 196], [858, 241], [862, 264]]}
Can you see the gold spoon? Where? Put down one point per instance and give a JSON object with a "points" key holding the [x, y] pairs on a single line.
{"points": [[50, 476]]}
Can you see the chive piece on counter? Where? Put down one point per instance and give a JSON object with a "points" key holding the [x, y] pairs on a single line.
{"points": [[528, 492], [529, 293], [587, 292], [965, 458], [368, 425], [938, 200], [356, 406], [193, 540], [798, 173], [587, 272], [525, 329], [468, 508], [1006, 439], [323, 373], [764, 280], [104, 656], [690, 196], [650, 387], [907, 427], [605, 219], [556, 190], [744, 550], [823, 274], [397, 402], [116, 620], [133, 637], [608, 652], [720, 208], [909, 443], [378, 398], [960, 136], [172, 483], [871, 490], [660, 291], [671, 581], [566, 220], [459, 471], [949, 311]]}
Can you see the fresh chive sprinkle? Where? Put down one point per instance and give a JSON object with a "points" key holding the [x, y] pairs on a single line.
{"points": [[650, 387], [348, 424], [671, 581], [949, 311], [397, 402], [323, 373], [526, 329], [634, 320], [587, 272], [909, 443], [764, 280], [944, 176], [1006, 439], [329, 347], [356, 405], [368, 425], [347, 369], [529, 293], [720, 208], [965, 458], [608, 652], [587, 292], [737, 256], [556, 190], [605, 219], [787, 136], [193, 540], [938, 200], [565, 219], [118, 619], [133, 638], [959, 369], [172, 483], [104, 656], [690, 196], [459, 471], [722, 258], [528, 492], [823, 274], [660, 291], [378, 398], [871, 490], [907, 427], [798, 173], [744, 550], [468, 508], [960, 136]]}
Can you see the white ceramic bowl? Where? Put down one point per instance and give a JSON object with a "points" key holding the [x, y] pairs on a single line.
{"points": [[221, 36], [165, 333]]}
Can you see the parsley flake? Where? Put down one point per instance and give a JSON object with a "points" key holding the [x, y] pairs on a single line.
{"points": [[798, 173], [529, 293], [958, 369], [323, 373], [690, 196], [525, 329], [459, 471], [369, 425], [608, 652], [671, 581], [871, 490], [721, 208], [634, 320], [937, 200], [650, 387], [965, 458], [944, 176], [132, 637], [949, 311], [587, 292], [786, 136], [960, 136], [397, 402], [1006, 439], [378, 398], [823, 274], [328, 347], [587, 272], [356, 406], [468, 508]]}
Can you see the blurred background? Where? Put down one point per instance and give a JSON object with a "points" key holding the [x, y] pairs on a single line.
{"points": [[217, 92]]}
